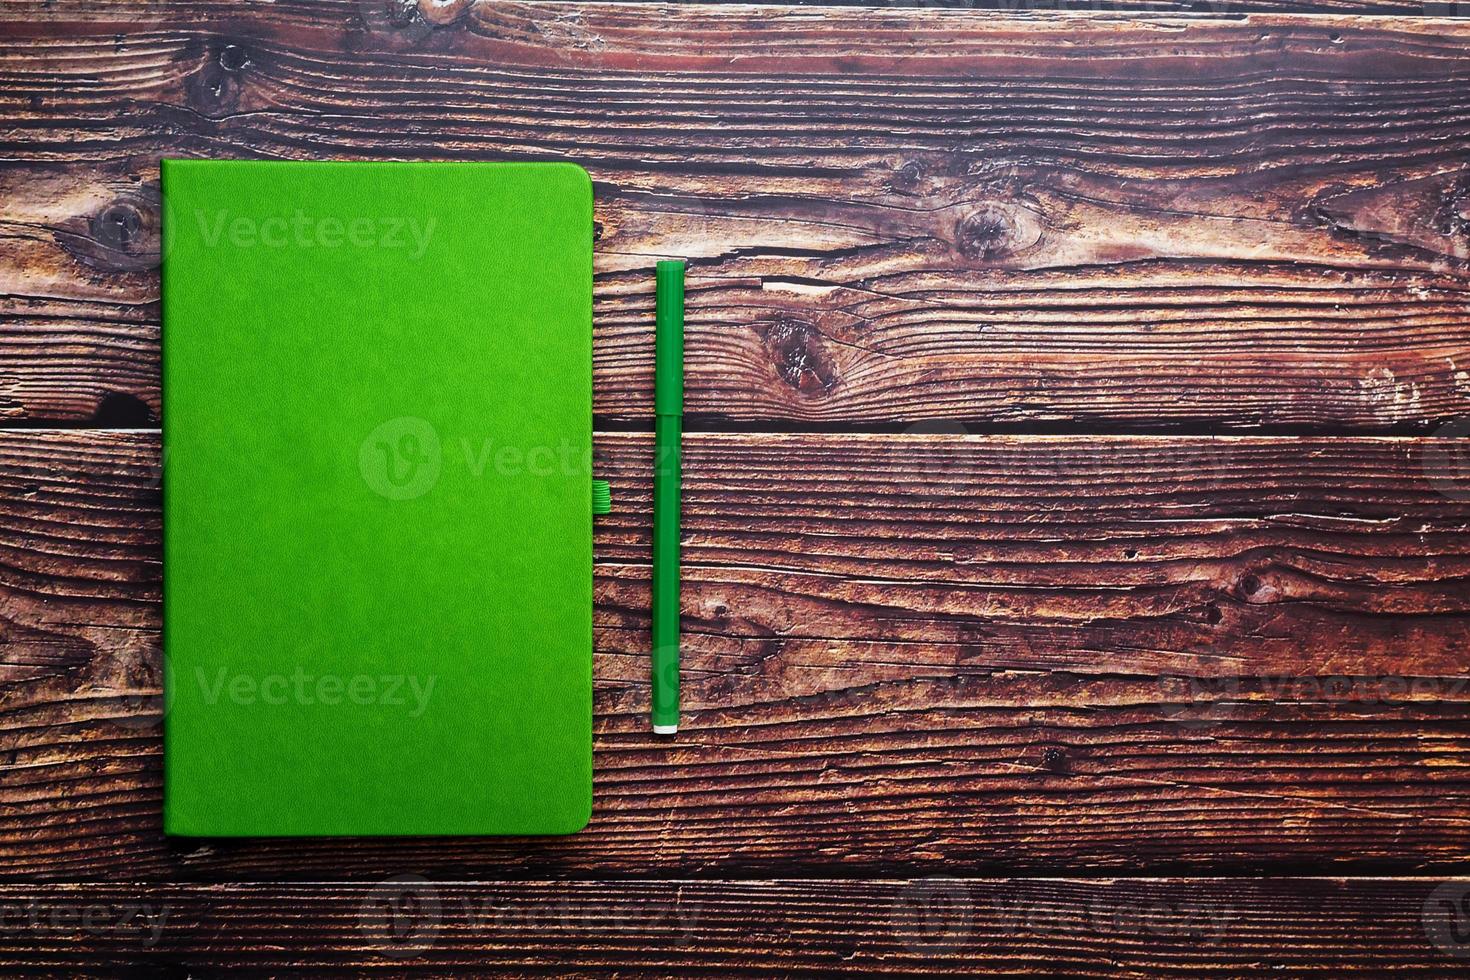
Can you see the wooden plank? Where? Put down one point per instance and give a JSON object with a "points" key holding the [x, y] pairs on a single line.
{"points": [[903, 653], [407, 12], [408, 926], [1073, 221]]}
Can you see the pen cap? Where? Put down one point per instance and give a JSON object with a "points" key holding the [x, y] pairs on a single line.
{"points": [[668, 339]]}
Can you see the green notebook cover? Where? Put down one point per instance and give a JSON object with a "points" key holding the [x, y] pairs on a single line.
{"points": [[377, 429]]}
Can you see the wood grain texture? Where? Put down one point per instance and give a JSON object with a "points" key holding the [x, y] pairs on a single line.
{"points": [[435, 12], [925, 653], [943, 927], [1079, 222], [908, 654]]}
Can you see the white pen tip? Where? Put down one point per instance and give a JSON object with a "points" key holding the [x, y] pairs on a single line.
{"points": [[665, 729]]}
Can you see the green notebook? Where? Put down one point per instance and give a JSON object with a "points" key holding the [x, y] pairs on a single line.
{"points": [[377, 498]]}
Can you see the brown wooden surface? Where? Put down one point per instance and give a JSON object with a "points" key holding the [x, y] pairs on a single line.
{"points": [[948, 612], [892, 664], [1091, 221], [1044, 928]]}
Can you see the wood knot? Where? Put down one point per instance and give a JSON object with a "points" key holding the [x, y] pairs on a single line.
{"points": [[1453, 217], [118, 226], [403, 21], [125, 235], [216, 88], [800, 356], [1254, 589], [906, 178], [1054, 760], [233, 57], [993, 231]]}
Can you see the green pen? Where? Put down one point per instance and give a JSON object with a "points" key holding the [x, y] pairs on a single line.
{"points": [[668, 414]]}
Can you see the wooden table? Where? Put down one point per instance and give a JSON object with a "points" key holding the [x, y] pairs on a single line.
{"points": [[1078, 578]]}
